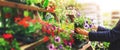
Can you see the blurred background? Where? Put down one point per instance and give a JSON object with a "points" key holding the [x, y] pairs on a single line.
{"points": [[106, 12]]}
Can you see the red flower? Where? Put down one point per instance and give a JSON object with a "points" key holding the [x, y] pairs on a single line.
{"points": [[52, 34], [43, 29], [45, 39], [7, 36], [72, 41], [23, 23], [65, 41], [17, 19], [7, 15], [27, 18], [12, 49], [33, 21], [48, 31]]}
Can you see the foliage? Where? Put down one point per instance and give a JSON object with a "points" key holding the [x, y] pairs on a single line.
{"points": [[84, 23], [6, 43]]}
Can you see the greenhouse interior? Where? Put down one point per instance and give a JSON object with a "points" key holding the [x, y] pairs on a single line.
{"points": [[59, 25]]}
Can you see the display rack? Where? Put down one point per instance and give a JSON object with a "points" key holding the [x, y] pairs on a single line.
{"points": [[22, 6], [30, 46], [25, 7]]}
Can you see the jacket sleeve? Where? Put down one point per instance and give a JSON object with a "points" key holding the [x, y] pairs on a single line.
{"points": [[102, 29], [110, 35]]}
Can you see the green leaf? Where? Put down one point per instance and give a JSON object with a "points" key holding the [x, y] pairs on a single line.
{"points": [[7, 9], [2, 42], [45, 4], [1, 48], [26, 13]]}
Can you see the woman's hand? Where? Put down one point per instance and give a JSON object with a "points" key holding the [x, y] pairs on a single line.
{"points": [[81, 31], [94, 27]]}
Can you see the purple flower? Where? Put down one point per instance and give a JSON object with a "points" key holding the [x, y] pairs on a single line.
{"points": [[86, 22], [60, 46], [69, 44], [78, 14], [57, 39], [90, 25], [51, 46], [91, 19], [86, 26]]}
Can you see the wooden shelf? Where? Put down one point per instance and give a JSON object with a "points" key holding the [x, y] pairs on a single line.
{"points": [[32, 45], [22, 6], [25, 7]]}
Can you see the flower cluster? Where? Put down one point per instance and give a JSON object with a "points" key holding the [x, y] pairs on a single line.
{"points": [[84, 23], [7, 42], [57, 37]]}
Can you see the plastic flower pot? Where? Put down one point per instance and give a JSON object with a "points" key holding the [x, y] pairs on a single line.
{"points": [[78, 43]]}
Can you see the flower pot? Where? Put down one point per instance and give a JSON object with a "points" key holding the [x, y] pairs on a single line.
{"points": [[78, 43]]}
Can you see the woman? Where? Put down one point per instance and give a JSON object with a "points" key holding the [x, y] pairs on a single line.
{"points": [[103, 34]]}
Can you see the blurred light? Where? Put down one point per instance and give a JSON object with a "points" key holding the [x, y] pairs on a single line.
{"points": [[105, 5]]}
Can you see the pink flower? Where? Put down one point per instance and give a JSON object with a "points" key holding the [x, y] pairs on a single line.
{"points": [[57, 39], [51, 47]]}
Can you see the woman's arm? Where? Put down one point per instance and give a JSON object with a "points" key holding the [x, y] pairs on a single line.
{"points": [[108, 35]]}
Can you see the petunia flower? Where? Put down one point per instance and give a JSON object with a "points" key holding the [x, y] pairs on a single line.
{"points": [[86, 26], [90, 25], [69, 44], [51, 47], [57, 39], [48, 31], [86, 22], [65, 41], [60, 47]]}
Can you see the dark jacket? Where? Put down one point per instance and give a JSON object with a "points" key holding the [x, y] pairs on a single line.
{"points": [[112, 36]]}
